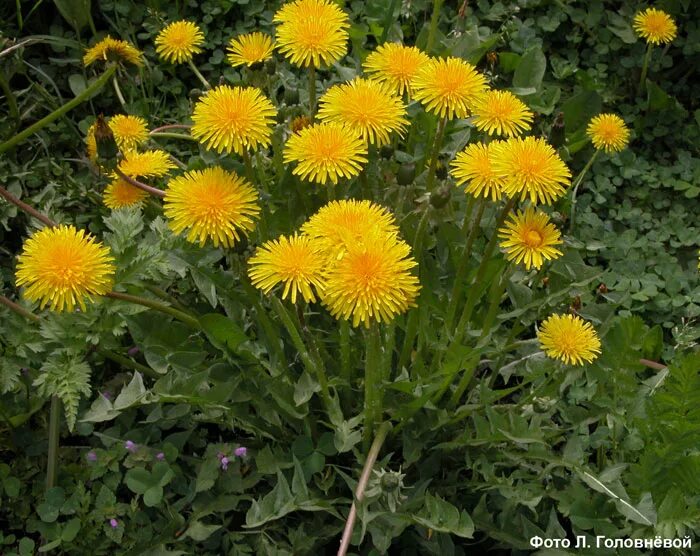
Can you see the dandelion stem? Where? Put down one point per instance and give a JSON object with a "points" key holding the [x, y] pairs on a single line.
{"points": [[126, 362], [435, 154], [434, 20], [312, 90], [461, 273], [373, 386], [345, 369], [645, 68], [577, 183], [372, 455], [169, 126], [157, 306], [312, 367], [82, 97], [30, 210], [198, 74], [147, 188], [412, 324], [18, 309], [118, 91], [168, 135], [54, 436], [475, 288]]}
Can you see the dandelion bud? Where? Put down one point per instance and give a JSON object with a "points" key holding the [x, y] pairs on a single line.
{"points": [[107, 148], [440, 197], [406, 174]]}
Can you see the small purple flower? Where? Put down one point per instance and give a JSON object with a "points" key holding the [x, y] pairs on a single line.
{"points": [[133, 351], [91, 456], [107, 395], [224, 463], [131, 446], [241, 452], [25, 371], [113, 523], [160, 456]]}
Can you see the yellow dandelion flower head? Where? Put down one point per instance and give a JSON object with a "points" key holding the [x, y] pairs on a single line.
{"points": [[233, 119], [63, 266], [295, 261], [655, 26], [340, 224], [529, 238], [473, 169], [119, 194], [395, 64], [312, 32], [213, 203], [501, 113], [326, 152], [371, 281], [449, 87], [113, 50], [608, 132], [146, 164], [91, 143], [129, 131], [249, 49], [179, 42], [371, 108], [532, 169], [569, 338]]}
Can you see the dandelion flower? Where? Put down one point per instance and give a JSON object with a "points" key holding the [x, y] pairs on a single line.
{"points": [[395, 64], [569, 338], [449, 87], [369, 107], [608, 132], [179, 42], [113, 50], [63, 266], [501, 113], [340, 224], [147, 164], [531, 168], [295, 261], [473, 169], [326, 151], [250, 49], [119, 194], [312, 32], [371, 281], [655, 26], [213, 203], [129, 131], [530, 238], [233, 119]]}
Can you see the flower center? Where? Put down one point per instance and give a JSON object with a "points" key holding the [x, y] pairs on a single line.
{"points": [[533, 238]]}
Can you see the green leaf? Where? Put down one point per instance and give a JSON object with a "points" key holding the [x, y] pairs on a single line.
{"points": [[153, 496], [530, 70], [657, 98], [199, 532], [138, 480], [67, 377], [77, 83], [131, 393], [579, 110], [75, 12], [70, 531], [223, 332], [442, 516]]}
